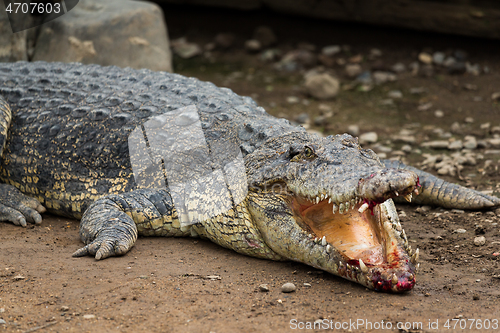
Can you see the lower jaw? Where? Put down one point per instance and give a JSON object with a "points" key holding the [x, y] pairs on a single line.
{"points": [[394, 273]]}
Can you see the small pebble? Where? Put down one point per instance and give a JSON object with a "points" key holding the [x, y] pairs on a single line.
{"points": [[374, 53], [439, 114], [455, 145], [423, 210], [449, 62], [370, 137], [264, 288], [417, 90], [353, 130], [438, 58], [479, 241], [406, 148], [398, 68], [89, 316], [424, 107], [64, 308], [425, 58], [460, 231], [470, 142], [288, 287], [353, 70], [308, 285], [485, 126], [2, 322], [302, 118], [322, 86], [331, 50], [440, 144], [380, 77], [474, 69], [395, 94], [253, 45]]}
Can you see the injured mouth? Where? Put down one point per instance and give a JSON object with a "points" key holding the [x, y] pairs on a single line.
{"points": [[365, 238], [353, 234]]}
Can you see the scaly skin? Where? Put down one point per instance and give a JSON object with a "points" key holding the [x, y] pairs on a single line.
{"points": [[208, 163]]}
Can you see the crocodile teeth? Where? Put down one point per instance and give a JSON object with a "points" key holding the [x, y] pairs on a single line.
{"points": [[329, 248], [341, 208], [347, 204], [353, 203], [363, 267], [363, 207], [396, 193], [322, 197], [329, 200], [394, 279], [414, 257], [323, 241], [408, 197], [317, 200], [334, 209], [415, 191]]}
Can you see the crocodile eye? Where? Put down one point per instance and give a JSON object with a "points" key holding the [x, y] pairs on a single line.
{"points": [[308, 152]]}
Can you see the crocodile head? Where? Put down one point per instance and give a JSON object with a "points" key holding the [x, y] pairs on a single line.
{"points": [[326, 202]]}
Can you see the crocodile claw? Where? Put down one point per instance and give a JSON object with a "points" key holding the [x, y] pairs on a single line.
{"points": [[103, 247], [106, 231], [17, 208]]}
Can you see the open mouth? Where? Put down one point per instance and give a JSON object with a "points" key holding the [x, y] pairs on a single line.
{"points": [[367, 239]]}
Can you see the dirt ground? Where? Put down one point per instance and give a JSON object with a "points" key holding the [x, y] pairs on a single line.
{"points": [[187, 285]]}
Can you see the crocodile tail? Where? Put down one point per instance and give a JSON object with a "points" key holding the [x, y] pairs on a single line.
{"points": [[5, 119], [438, 192]]}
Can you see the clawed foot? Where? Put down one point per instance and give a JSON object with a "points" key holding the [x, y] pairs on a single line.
{"points": [[105, 246], [18, 208]]}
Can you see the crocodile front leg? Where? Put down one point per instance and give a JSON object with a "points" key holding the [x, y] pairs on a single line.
{"points": [[438, 192], [110, 226], [15, 207]]}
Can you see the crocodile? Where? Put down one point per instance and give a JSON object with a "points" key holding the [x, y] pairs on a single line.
{"points": [[135, 152]]}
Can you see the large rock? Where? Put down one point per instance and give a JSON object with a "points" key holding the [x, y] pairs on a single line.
{"points": [[14, 46], [466, 17], [113, 32]]}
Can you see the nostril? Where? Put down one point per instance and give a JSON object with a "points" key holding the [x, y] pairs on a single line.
{"points": [[386, 184]]}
